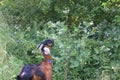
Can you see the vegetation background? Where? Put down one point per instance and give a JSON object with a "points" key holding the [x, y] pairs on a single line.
{"points": [[86, 34]]}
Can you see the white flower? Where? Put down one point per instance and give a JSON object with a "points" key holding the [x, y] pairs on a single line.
{"points": [[103, 47], [61, 46], [49, 23], [37, 33], [33, 51], [53, 25], [15, 32], [58, 23], [60, 32], [66, 11], [91, 23], [108, 49]]}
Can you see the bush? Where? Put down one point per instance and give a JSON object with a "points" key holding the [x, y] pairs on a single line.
{"points": [[89, 50]]}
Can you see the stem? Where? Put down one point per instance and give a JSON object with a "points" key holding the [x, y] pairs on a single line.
{"points": [[67, 68]]}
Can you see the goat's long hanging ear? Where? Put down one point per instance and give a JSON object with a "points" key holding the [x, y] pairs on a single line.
{"points": [[41, 44], [40, 47]]}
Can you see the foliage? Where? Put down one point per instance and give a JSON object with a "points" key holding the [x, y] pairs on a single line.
{"points": [[86, 34], [9, 66], [42, 11]]}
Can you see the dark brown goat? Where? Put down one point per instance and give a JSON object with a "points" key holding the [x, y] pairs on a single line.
{"points": [[42, 71]]}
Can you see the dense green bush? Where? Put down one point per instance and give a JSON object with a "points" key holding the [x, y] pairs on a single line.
{"points": [[87, 44], [9, 64]]}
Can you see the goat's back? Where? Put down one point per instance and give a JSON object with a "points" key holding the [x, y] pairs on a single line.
{"points": [[31, 72]]}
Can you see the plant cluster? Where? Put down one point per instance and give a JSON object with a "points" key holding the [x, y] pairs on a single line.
{"points": [[86, 35]]}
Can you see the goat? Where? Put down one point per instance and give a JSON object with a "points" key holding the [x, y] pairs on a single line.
{"points": [[42, 71]]}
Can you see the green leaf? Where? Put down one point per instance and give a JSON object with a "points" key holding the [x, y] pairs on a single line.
{"points": [[74, 64]]}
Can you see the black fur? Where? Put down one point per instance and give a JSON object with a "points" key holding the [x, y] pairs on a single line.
{"points": [[28, 70], [46, 42]]}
